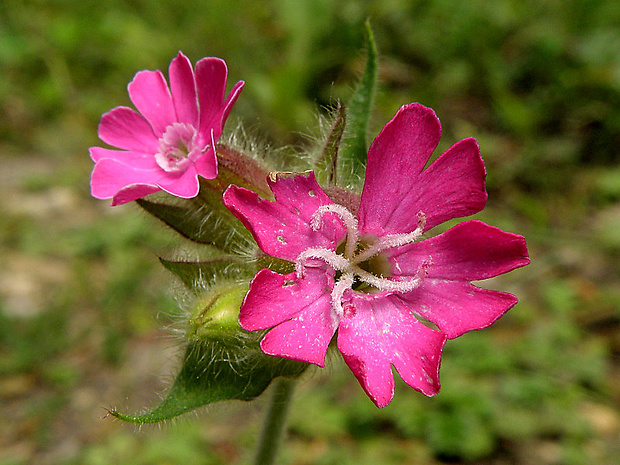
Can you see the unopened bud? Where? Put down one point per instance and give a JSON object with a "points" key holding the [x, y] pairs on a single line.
{"points": [[216, 314]]}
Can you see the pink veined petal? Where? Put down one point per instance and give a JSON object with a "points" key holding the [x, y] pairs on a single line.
{"points": [[184, 185], [375, 333], [457, 307], [206, 164], [469, 251], [110, 176], [211, 76], [274, 298], [133, 192], [300, 310], [301, 193], [124, 128], [230, 101], [395, 159], [138, 160], [282, 228], [183, 90], [150, 94], [451, 187]]}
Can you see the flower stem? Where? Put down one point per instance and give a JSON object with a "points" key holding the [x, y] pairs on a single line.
{"points": [[274, 422]]}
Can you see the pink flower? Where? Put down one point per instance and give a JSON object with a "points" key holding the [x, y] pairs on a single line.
{"points": [[366, 273], [172, 140]]}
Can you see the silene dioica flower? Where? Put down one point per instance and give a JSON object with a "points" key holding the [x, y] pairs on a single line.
{"points": [[171, 140], [365, 270]]}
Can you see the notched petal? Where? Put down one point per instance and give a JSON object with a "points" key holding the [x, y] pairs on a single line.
{"points": [[300, 310], [378, 334], [282, 228]]}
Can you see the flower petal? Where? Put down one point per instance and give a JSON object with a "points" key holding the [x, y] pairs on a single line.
{"points": [[211, 76], [375, 333], [457, 307], [230, 101], [111, 176], [395, 159], [206, 164], [133, 192], [183, 89], [185, 185], [469, 251], [150, 94], [124, 128], [282, 228], [139, 160], [300, 310], [451, 187]]}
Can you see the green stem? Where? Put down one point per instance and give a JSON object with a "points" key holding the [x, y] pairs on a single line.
{"points": [[274, 422]]}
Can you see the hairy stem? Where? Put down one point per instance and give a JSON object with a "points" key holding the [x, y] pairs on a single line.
{"points": [[274, 422]]}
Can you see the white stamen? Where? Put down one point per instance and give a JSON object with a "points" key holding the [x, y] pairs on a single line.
{"points": [[345, 282], [387, 284], [349, 262], [337, 262], [392, 240], [348, 220]]}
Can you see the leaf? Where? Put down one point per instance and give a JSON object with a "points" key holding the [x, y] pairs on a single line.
{"points": [[205, 219], [355, 141], [199, 274], [199, 220], [214, 371], [326, 165]]}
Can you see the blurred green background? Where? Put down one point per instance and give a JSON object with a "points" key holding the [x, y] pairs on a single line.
{"points": [[87, 315]]}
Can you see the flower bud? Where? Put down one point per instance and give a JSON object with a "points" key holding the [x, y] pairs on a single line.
{"points": [[216, 314]]}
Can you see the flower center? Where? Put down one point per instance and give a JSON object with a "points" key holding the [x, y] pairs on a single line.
{"points": [[177, 148], [359, 262]]}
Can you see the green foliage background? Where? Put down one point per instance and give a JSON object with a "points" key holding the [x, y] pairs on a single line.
{"points": [[83, 298]]}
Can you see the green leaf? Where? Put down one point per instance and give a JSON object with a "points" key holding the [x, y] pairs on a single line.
{"points": [[212, 372], [197, 275], [355, 141], [326, 165], [200, 220], [205, 219]]}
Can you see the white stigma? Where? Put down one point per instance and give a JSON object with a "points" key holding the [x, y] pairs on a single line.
{"points": [[349, 263]]}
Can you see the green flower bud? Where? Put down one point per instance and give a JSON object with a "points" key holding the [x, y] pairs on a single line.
{"points": [[216, 314]]}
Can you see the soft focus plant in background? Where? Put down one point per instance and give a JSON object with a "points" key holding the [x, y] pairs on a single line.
{"points": [[534, 82]]}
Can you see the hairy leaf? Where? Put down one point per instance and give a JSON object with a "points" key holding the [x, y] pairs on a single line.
{"points": [[355, 141], [326, 165], [200, 220], [197, 275], [212, 372]]}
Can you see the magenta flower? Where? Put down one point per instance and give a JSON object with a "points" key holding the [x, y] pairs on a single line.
{"points": [[172, 140], [367, 274]]}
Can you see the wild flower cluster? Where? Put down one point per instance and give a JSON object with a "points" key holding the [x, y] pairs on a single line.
{"points": [[293, 263]]}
